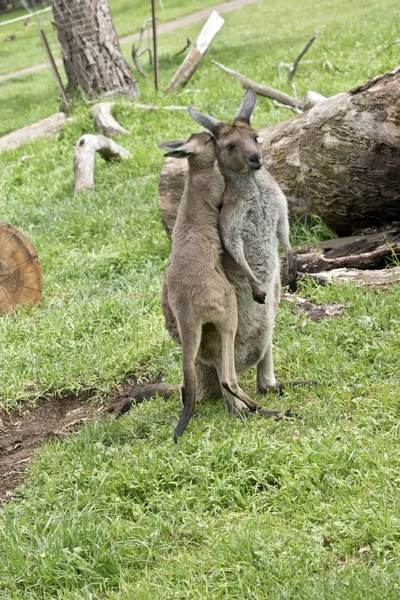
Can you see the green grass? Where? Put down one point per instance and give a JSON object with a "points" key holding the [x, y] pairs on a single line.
{"points": [[302, 509]]}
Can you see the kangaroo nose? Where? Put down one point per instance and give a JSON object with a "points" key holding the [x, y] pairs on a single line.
{"points": [[255, 161]]}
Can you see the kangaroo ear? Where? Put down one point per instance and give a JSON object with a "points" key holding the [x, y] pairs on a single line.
{"points": [[205, 121], [247, 107], [176, 148]]}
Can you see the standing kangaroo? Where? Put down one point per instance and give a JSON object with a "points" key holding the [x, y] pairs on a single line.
{"points": [[197, 296], [252, 219]]}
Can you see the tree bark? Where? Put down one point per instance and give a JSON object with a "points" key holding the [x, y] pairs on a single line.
{"points": [[339, 160], [90, 49]]}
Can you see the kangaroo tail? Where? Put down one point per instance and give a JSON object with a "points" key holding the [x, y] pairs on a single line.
{"points": [[145, 392]]}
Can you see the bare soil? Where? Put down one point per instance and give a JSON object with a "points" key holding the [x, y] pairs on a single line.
{"points": [[22, 432]]}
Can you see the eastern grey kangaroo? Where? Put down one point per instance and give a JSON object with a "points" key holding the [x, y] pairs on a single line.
{"points": [[197, 295]]}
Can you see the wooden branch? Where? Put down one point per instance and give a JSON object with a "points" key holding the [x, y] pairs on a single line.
{"points": [[358, 277], [50, 128], [382, 49], [136, 52], [293, 69], [262, 90], [187, 45], [195, 56], [291, 108], [85, 150], [104, 121]]}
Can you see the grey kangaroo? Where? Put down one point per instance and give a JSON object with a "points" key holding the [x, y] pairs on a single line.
{"points": [[197, 296], [260, 220]]}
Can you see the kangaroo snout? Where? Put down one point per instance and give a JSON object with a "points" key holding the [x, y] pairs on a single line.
{"points": [[255, 161]]}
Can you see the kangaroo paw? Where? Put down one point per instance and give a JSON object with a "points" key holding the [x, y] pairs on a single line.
{"points": [[259, 294]]}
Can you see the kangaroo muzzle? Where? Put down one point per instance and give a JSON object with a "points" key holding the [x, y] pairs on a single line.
{"points": [[255, 161]]}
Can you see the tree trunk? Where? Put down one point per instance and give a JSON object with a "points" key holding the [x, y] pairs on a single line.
{"points": [[339, 160], [90, 48]]}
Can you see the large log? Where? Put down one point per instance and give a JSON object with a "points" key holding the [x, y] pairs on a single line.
{"points": [[339, 160]]}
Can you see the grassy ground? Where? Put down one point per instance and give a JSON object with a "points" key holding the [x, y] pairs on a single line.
{"points": [[239, 509]]}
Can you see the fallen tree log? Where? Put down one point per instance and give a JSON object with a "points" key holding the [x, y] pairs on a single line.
{"points": [[339, 160], [50, 127]]}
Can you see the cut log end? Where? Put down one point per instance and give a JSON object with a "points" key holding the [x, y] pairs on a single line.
{"points": [[21, 277]]}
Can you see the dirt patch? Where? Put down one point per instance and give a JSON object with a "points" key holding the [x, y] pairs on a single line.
{"points": [[22, 432]]}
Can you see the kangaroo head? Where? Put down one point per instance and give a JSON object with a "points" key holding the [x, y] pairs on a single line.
{"points": [[199, 149], [237, 144]]}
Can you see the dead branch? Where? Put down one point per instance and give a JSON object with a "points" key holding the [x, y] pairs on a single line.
{"points": [[358, 277], [85, 150], [293, 69], [188, 42], [382, 49], [50, 128], [195, 56], [137, 53], [292, 108], [262, 90], [104, 121]]}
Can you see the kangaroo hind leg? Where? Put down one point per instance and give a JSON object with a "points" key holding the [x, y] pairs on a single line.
{"points": [[191, 337], [227, 370]]}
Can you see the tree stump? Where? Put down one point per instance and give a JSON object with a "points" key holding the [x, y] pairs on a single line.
{"points": [[21, 277]]}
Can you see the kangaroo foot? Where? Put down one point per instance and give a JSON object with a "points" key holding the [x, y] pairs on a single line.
{"points": [[263, 412], [280, 387]]}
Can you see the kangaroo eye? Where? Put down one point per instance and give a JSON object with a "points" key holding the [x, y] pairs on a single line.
{"points": [[256, 138], [230, 146]]}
